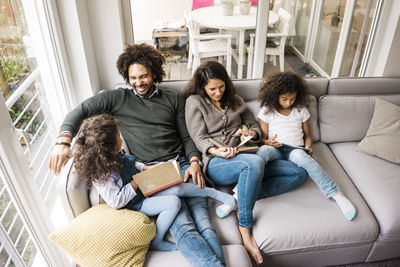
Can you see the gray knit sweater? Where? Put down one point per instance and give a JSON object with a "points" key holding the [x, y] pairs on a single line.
{"points": [[204, 120]]}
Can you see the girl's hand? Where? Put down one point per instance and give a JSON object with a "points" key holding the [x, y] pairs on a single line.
{"points": [[310, 152], [272, 142], [245, 132], [226, 152]]}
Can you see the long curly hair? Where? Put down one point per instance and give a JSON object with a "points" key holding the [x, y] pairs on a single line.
{"points": [[283, 83], [145, 55], [212, 70], [95, 150]]}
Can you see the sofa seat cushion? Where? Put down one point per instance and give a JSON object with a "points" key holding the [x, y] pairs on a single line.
{"points": [[235, 256], [378, 181], [303, 220]]}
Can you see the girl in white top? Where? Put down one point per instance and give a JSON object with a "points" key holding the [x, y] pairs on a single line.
{"points": [[283, 119]]}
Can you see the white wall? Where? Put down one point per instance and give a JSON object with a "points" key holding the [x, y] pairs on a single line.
{"points": [[107, 37], [145, 12]]}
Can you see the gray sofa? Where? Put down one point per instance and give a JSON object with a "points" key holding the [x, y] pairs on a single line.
{"points": [[302, 228]]}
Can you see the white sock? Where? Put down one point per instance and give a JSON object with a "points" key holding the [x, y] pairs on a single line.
{"points": [[345, 205], [223, 210]]}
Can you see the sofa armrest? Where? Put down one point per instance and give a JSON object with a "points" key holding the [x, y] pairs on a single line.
{"points": [[76, 191]]}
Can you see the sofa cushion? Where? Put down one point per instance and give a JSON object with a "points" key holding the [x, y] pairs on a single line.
{"points": [[303, 220], [364, 86], [103, 236], [379, 183], [383, 136], [235, 256], [347, 118]]}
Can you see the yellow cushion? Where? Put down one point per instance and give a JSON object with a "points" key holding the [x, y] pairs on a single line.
{"points": [[103, 236]]}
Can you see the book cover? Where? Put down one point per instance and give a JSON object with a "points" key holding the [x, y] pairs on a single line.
{"points": [[159, 177]]}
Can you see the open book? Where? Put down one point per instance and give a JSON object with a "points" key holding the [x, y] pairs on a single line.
{"points": [[159, 177], [241, 147]]}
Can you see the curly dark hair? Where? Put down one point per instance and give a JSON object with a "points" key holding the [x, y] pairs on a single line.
{"points": [[94, 151], [212, 70], [283, 83], [145, 55]]}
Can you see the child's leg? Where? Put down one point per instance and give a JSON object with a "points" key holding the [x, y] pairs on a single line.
{"points": [[324, 182], [166, 207], [269, 153], [192, 190]]}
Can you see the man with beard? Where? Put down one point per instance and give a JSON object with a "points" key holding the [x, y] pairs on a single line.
{"points": [[154, 128]]}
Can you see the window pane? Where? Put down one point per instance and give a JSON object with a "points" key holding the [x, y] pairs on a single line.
{"points": [[329, 26], [354, 36]]}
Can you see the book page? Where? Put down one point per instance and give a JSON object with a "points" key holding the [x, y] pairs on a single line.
{"points": [[245, 140]]}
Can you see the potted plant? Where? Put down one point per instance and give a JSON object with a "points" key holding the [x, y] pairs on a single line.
{"points": [[244, 6], [10, 68], [227, 7]]}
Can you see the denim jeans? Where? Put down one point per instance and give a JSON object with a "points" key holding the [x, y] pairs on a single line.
{"points": [[254, 179], [247, 171], [303, 160], [193, 233]]}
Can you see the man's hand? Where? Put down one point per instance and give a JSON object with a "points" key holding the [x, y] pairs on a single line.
{"points": [[59, 157], [197, 176], [272, 141]]}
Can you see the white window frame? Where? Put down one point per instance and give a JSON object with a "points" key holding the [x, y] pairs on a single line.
{"points": [[42, 18]]}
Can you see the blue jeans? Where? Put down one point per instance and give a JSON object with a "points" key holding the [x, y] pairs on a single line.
{"points": [[193, 233], [254, 180], [303, 160]]}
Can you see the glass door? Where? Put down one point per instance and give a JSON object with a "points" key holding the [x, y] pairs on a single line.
{"points": [[332, 36]]}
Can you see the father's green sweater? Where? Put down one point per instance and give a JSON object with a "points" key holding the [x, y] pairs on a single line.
{"points": [[154, 129]]}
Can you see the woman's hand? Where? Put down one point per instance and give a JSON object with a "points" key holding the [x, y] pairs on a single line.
{"points": [[226, 152], [272, 142], [59, 157], [245, 132]]}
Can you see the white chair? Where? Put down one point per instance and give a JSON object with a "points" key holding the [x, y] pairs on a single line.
{"points": [[276, 41], [208, 45]]}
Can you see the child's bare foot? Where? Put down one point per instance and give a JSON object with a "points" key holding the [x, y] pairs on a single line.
{"points": [[251, 245]]}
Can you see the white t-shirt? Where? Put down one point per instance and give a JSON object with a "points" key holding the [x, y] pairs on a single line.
{"points": [[289, 128]]}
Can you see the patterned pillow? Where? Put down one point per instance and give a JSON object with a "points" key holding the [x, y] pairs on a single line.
{"points": [[103, 236]]}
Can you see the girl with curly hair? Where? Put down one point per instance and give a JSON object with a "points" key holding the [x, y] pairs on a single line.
{"points": [[99, 159], [283, 119]]}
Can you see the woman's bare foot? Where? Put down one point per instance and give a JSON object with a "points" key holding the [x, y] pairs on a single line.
{"points": [[250, 244]]}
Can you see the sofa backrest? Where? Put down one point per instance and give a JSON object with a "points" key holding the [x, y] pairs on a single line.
{"points": [[345, 113]]}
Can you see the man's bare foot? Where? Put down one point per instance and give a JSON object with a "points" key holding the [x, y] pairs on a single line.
{"points": [[251, 245]]}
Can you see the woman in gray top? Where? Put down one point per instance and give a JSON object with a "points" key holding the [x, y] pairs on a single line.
{"points": [[213, 109]]}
